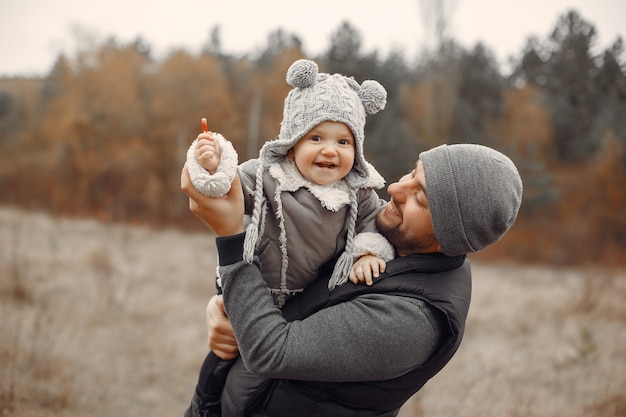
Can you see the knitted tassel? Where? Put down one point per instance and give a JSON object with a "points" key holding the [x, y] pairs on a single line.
{"points": [[344, 263], [249, 243], [341, 271], [252, 231]]}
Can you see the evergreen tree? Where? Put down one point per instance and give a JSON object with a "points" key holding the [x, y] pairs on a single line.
{"points": [[479, 97], [611, 86], [343, 55], [532, 66], [572, 91]]}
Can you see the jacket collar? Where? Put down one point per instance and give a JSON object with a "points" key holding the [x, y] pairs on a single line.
{"points": [[332, 197]]}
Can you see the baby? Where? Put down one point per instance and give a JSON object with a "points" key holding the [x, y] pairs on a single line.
{"points": [[309, 196]]}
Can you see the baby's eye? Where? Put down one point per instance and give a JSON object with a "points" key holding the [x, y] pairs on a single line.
{"points": [[315, 138], [344, 142]]}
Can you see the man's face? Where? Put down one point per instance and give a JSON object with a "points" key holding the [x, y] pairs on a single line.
{"points": [[405, 221]]}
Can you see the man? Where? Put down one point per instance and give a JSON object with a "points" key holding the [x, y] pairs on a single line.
{"points": [[361, 350]]}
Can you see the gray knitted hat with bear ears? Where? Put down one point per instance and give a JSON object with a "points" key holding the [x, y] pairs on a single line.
{"points": [[316, 98], [319, 97]]}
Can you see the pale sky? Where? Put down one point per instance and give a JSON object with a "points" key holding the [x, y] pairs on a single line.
{"points": [[34, 32]]}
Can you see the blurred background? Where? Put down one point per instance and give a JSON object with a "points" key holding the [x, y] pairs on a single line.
{"points": [[103, 132], [96, 130]]}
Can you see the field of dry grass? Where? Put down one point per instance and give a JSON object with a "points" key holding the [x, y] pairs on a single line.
{"points": [[108, 320]]}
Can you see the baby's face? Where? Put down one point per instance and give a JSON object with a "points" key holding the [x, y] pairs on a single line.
{"points": [[326, 153]]}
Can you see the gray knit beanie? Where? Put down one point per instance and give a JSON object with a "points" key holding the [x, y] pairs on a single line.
{"points": [[474, 193], [319, 97]]}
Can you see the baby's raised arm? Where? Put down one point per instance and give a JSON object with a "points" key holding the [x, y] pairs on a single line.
{"points": [[212, 163], [366, 268], [208, 152]]}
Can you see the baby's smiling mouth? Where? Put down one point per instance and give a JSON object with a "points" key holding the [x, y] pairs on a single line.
{"points": [[325, 165]]}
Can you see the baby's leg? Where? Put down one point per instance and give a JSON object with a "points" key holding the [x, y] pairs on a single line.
{"points": [[207, 397]]}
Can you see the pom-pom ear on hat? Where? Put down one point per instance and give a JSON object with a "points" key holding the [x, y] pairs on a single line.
{"points": [[302, 73], [373, 95]]}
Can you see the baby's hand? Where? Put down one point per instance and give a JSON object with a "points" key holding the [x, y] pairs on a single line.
{"points": [[366, 267], [208, 152]]}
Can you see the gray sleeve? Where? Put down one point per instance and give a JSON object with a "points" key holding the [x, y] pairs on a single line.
{"points": [[369, 206], [372, 337]]}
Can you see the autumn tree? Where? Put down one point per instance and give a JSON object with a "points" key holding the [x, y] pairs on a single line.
{"points": [[8, 109], [267, 88], [524, 132]]}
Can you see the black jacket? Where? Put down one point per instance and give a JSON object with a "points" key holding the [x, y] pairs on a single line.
{"points": [[440, 281]]}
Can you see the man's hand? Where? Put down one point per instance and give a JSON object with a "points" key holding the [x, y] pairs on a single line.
{"points": [[224, 215], [221, 337]]}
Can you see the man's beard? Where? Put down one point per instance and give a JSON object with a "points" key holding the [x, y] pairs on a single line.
{"points": [[404, 243]]}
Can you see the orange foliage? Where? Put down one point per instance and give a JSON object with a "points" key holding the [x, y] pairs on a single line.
{"points": [[525, 123], [586, 225], [427, 108], [594, 202], [266, 91]]}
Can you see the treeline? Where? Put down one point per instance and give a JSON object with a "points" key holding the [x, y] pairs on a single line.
{"points": [[105, 133]]}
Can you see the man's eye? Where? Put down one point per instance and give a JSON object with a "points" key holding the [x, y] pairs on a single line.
{"points": [[421, 200]]}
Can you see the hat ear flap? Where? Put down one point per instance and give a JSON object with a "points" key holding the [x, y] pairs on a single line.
{"points": [[373, 95], [302, 73]]}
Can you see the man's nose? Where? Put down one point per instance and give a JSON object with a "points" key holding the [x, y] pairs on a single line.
{"points": [[395, 190]]}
